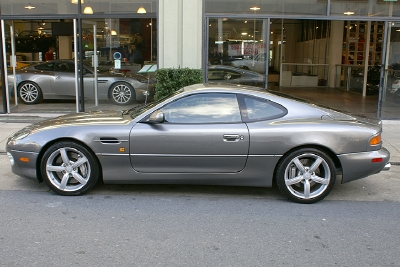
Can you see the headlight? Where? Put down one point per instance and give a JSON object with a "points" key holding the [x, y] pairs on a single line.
{"points": [[21, 134], [11, 158]]}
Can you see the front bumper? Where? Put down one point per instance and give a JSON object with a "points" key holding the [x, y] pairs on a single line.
{"points": [[24, 164], [359, 165]]}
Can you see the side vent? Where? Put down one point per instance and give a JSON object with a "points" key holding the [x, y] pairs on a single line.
{"points": [[109, 140]]}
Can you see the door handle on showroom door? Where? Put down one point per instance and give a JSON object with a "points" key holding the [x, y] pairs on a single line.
{"points": [[233, 137]]}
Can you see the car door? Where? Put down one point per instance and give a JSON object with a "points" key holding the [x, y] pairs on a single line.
{"points": [[64, 78], [202, 133]]}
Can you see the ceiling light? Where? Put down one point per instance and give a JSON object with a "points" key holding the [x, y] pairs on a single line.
{"points": [[76, 1], [29, 6], [113, 32], [141, 10], [254, 8], [88, 10], [348, 13]]}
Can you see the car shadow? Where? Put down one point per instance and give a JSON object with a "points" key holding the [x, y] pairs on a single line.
{"points": [[192, 190]]}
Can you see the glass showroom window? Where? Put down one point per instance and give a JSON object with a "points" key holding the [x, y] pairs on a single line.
{"points": [[237, 51]]}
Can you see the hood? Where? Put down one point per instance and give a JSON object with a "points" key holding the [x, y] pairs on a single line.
{"points": [[105, 117]]}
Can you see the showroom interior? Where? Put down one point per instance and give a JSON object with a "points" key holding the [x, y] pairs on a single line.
{"points": [[341, 54]]}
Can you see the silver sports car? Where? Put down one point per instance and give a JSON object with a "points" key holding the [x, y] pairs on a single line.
{"points": [[213, 135], [55, 79]]}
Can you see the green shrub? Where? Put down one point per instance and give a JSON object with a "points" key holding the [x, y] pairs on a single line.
{"points": [[169, 80]]}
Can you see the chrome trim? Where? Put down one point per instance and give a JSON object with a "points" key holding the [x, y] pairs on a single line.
{"points": [[184, 155], [387, 167], [119, 140], [189, 155], [111, 154]]}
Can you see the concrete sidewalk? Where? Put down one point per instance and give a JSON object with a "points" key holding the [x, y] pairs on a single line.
{"points": [[390, 135]]}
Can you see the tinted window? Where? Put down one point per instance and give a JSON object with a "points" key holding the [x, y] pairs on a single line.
{"points": [[47, 66], [256, 109], [203, 108]]}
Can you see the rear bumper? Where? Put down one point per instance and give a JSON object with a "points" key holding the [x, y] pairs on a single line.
{"points": [[387, 167], [360, 165]]}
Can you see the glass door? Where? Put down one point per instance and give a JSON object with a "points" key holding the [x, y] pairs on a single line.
{"points": [[237, 51], [114, 51], [9, 65], [3, 72], [390, 94]]}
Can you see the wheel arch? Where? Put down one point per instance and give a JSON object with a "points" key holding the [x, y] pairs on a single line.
{"points": [[324, 149], [49, 144]]}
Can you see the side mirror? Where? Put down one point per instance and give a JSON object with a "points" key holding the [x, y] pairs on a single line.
{"points": [[156, 117]]}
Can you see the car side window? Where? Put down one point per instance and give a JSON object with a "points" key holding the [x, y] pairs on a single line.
{"points": [[47, 66], [65, 67], [257, 109], [203, 108]]}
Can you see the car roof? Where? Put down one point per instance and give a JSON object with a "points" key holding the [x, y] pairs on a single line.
{"points": [[294, 105], [222, 87]]}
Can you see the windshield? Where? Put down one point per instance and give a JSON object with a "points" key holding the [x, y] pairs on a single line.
{"points": [[138, 110]]}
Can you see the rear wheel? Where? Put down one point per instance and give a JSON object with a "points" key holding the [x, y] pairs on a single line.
{"points": [[122, 93], [68, 168], [30, 93], [306, 175]]}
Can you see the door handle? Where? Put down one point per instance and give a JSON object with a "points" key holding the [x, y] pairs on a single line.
{"points": [[233, 137]]}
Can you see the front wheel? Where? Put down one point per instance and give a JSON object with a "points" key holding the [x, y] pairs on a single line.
{"points": [[122, 93], [30, 93], [306, 175], [69, 169]]}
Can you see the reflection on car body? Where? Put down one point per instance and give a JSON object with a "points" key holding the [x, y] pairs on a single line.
{"points": [[203, 134], [55, 79]]}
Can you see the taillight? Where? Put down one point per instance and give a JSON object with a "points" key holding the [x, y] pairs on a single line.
{"points": [[376, 140], [376, 160]]}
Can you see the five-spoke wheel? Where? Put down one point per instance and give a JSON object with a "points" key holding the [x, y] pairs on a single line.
{"points": [[306, 175], [68, 168], [122, 93], [30, 93]]}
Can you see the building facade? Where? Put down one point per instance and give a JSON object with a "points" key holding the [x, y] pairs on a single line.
{"points": [[348, 45]]}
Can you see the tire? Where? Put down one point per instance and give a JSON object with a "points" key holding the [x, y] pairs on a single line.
{"points": [[306, 175], [69, 169], [30, 93], [122, 93]]}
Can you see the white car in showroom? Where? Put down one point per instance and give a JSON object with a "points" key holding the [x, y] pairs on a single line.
{"points": [[257, 63]]}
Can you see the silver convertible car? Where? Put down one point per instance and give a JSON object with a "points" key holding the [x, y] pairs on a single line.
{"points": [[55, 79], [203, 134]]}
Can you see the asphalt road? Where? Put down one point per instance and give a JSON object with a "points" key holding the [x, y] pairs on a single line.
{"points": [[131, 225]]}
